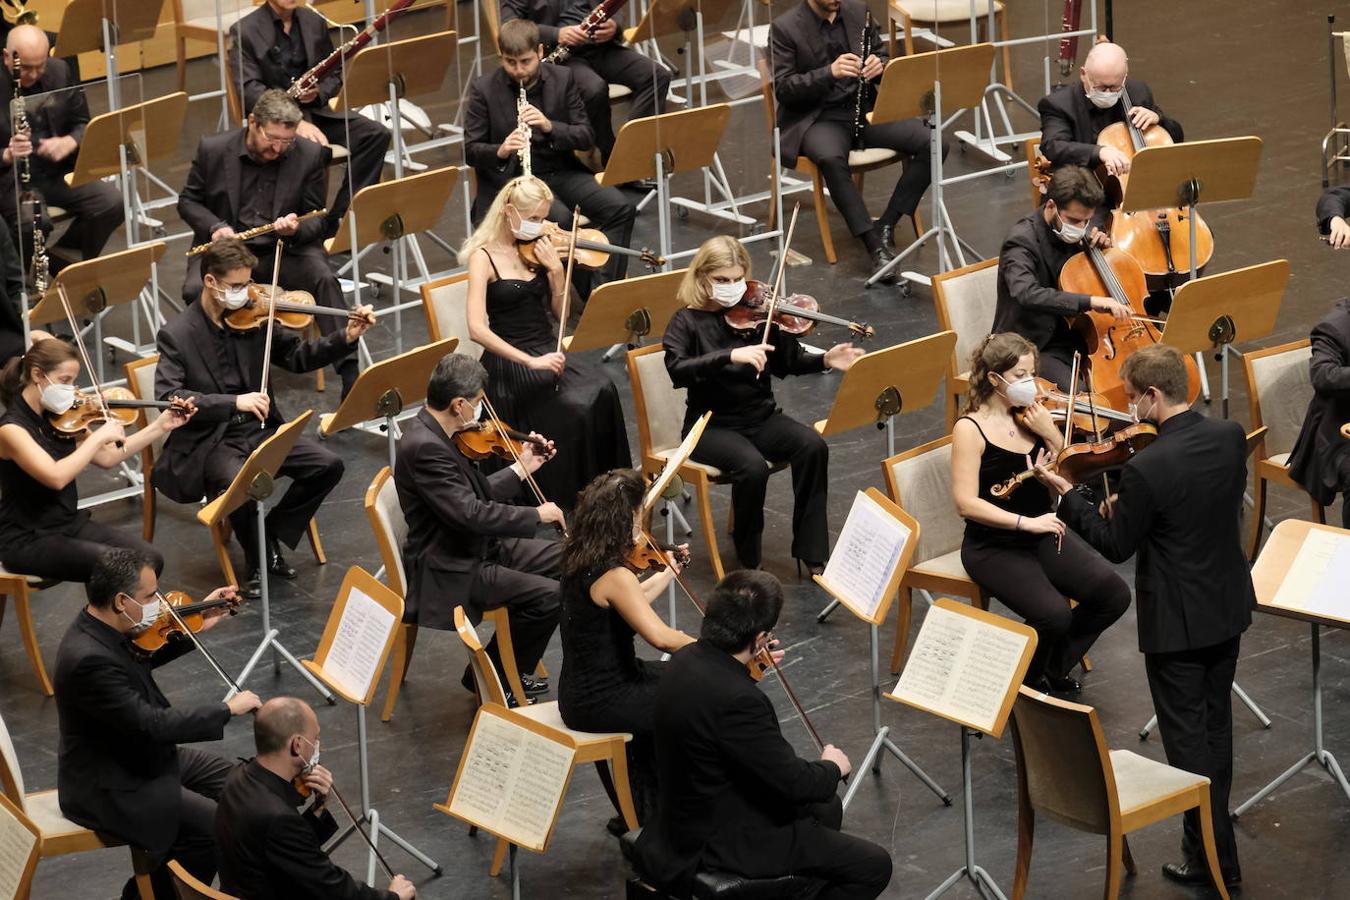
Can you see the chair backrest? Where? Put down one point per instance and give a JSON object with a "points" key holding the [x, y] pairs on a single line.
{"points": [[1063, 761], [141, 383], [11, 777], [492, 23], [965, 299], [484, 673], [660, 405], [445, 302], [189, 888], [1038, 178], [1279, 386], [920, 482], [386, 520]]}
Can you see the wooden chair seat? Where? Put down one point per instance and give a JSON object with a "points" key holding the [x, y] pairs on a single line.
{"points": [[955, 13], [549, 715], [1143, 784]]}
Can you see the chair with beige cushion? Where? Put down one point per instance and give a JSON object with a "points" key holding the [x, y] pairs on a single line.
{"points": [[1067, 773], [948, 19], [444, 301], [189, 888], [965, 299], [196, 20], [1279, 386]]}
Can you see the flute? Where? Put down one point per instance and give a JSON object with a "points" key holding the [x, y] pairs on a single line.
{"points": [[255, 232]]}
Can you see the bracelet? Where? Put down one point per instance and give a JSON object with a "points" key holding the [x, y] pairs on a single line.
{"points": [[1017, 526]]}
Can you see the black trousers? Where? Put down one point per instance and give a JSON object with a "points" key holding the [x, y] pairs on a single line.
{"points": [[1191, 695], [595, 68], [72, 557], [524, 579], [96, 209], [1036, 583], [367, 141], [743, 454], [315, 471], [827, 143]]}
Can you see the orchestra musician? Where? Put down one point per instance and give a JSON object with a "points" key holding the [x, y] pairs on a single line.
{"points": [[1015, 548], [272, 47], [268, 849], [558, 125], [43, 531], [513, 313], [596, 62], [1178, 507], [1333, 210], [221, 369], [734, 795], [1030, 302], [263, 174], [468, 542], [728, 373], [815, 75], [56, 126], [1320, 460], [604, 686], [120, 770]]}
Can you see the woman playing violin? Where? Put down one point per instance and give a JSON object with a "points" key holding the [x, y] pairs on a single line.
{"points": [[42, 529], [727, 372], [513, 313], [1015, 548]]}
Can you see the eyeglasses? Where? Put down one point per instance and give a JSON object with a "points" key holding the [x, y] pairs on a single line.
{"points": [[277, 142]]}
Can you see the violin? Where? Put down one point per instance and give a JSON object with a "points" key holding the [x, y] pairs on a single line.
{"points": [[485, 439], [795, 314], [1085, 406], [294, 309], [87, 413], [592, 251], [1084, 461], [187, 616]]}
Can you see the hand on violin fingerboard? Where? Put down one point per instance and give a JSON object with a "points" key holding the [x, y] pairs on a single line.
{"points": [[534, 455], [359, 322]]}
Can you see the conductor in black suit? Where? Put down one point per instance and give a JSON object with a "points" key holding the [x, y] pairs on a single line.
{"points": [[1320, 460], [268, 849], [735, 796], [222, 370], [468, 541], [263, 174], [1178, 508], [120, 770], [273, 46]]}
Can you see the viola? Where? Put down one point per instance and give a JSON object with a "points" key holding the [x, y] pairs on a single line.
{"points": [[592, 251], [294, 309], [87, 413], [485, 439], [1078, 463], [190, 618], [795, 314], [648, 556]]}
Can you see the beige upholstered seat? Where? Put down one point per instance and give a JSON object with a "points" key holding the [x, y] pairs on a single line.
{"points": [[1279, 386], [445, 305], [965, 299], [21, 588], [1066, 773], [955, 15]]}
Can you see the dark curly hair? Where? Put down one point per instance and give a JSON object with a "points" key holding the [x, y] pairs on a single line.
{"points": [[601, 530]]}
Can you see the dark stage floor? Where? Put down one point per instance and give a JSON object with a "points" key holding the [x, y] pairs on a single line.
{"points": [[1249, 67]]}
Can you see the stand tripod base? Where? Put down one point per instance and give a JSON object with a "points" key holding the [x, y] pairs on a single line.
{"points": [[371, 818], [982, 880], [1241, 695], [873, 761], [279, 652]]}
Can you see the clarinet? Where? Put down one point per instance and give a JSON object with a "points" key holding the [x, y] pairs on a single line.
{"points": [[865, 48], [597, 17], [18, 115], [523, 128]]}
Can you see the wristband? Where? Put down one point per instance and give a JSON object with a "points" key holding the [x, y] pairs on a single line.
{"points": [[1017, 526]]}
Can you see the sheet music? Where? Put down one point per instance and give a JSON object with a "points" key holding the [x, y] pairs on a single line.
{"points": [[16, 843], [1316, 582], [511, 781], [353, 660], [961, 668], [865, 556]]}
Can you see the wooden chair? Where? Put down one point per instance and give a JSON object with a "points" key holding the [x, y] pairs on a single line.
{"points": [[57, 835], [189, 888], [952, 13], [27, 863], [605, 749], [196, 20], [965, 299], [445, 305], [1066, 772], [1038, 181], [20, 588], [660, 413], [1279, 386]]}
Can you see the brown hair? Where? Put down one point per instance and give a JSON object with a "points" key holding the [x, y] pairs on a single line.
{"points": [[721, 251], [997, 353], [602, 524], [1158, 366], [44, 356], [276, 107], [225, 255], [517, 37], [1075, 183]]}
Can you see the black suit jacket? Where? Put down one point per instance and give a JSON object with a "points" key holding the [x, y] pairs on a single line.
{"points": [[55, 115], [1335, 201], [210, 199], [455, 515], [491, 116], [268, 851], [1070, 123], [727, 776], [550, 15], [253, 70], [1179, 507], [1029, 263], [801, 68], [186, 368], [118, 765], [1315, 461]]}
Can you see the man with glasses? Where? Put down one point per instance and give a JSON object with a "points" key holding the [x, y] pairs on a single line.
{"points": [[120, 769], [261, 175]]}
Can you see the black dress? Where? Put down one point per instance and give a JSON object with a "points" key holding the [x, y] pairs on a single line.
{"points": [[581, 413]]}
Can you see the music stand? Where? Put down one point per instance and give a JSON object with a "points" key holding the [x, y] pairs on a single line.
{"points": [[1210, 313], [98, 26], [919, 85], [351, 655], [20, 840], [667, 485], [393, 211], [622, 313], [255, 481]]}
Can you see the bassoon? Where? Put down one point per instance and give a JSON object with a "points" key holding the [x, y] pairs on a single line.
{"points": [[310, 80]]}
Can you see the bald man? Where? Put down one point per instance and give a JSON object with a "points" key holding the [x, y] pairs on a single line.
{"points": [[268, 848], [56, 128]]}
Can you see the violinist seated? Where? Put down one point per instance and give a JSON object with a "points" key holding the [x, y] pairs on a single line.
{"points": [[1320, 460], [268, 849], [263, 174], [121, 770], [1073, 115], [272, 47], [604, 686], [734, 795], [1333, 216], [727, 372], [1014, 547], [203, 358], [43, 531], [468, 541], [558, 125], [1030, 302]]}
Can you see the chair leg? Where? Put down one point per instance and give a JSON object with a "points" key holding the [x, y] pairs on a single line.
{"points": [[618, 761], [904, 611], [1125, 852], [1114, 865], [498, 858], [541, 670], [181, 44], [24, 611], [1211, 850], [908, 25], [705, 516], [1001, 18], [220, 538], [1026, 834], [890, 36], [507, 651], [822, 216], [316, 543], [140, 866], [1258, 517], [402, 656], [1319, 513], [150, 509]]}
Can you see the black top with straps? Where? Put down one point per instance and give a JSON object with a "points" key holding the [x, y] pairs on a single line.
{"points": [[1031, 499], [28, 508]]}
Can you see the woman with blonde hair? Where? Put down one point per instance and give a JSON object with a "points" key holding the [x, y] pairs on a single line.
{"points": [[724, 371], [512, 312]]}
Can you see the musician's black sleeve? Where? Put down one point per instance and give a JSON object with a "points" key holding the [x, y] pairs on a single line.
{"points": [[1335, 201], [520, 9]]}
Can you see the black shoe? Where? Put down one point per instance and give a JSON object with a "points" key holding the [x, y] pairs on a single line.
{"points": [[1063, 684], [617, 826], [645, 185], [276, 563], [1057, 687], [812, 568], [880, 257], [887, 233], [253, 585], [1197, 873], [534, 686]]}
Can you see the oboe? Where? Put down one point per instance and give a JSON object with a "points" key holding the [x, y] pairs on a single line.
{"points": [[524, 128], [865, 50], [18, 116]]}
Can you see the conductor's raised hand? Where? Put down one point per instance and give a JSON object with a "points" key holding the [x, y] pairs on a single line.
{"points": [[756, 355], [243, 703], [319, 780], [842, 356], [872, 67], [403, 888], [833, 754], [846, 65], [359, 322], [549, 362], [256, 402]]}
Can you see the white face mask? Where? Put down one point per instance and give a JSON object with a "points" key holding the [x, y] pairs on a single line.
{"points": [[527, 230], [314, 758], [1068, 233], [233, 298], [1138, 416], [57, 398], [729, 294], [149, 615], [1021, 392], [1103, 99]]}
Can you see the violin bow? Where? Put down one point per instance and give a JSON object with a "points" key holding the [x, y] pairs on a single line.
{"points": [[777, 290], [210, 658], [1092, 411], [271, 323], [84, 356], [567, 282], [332, 789], [529, 479]]}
